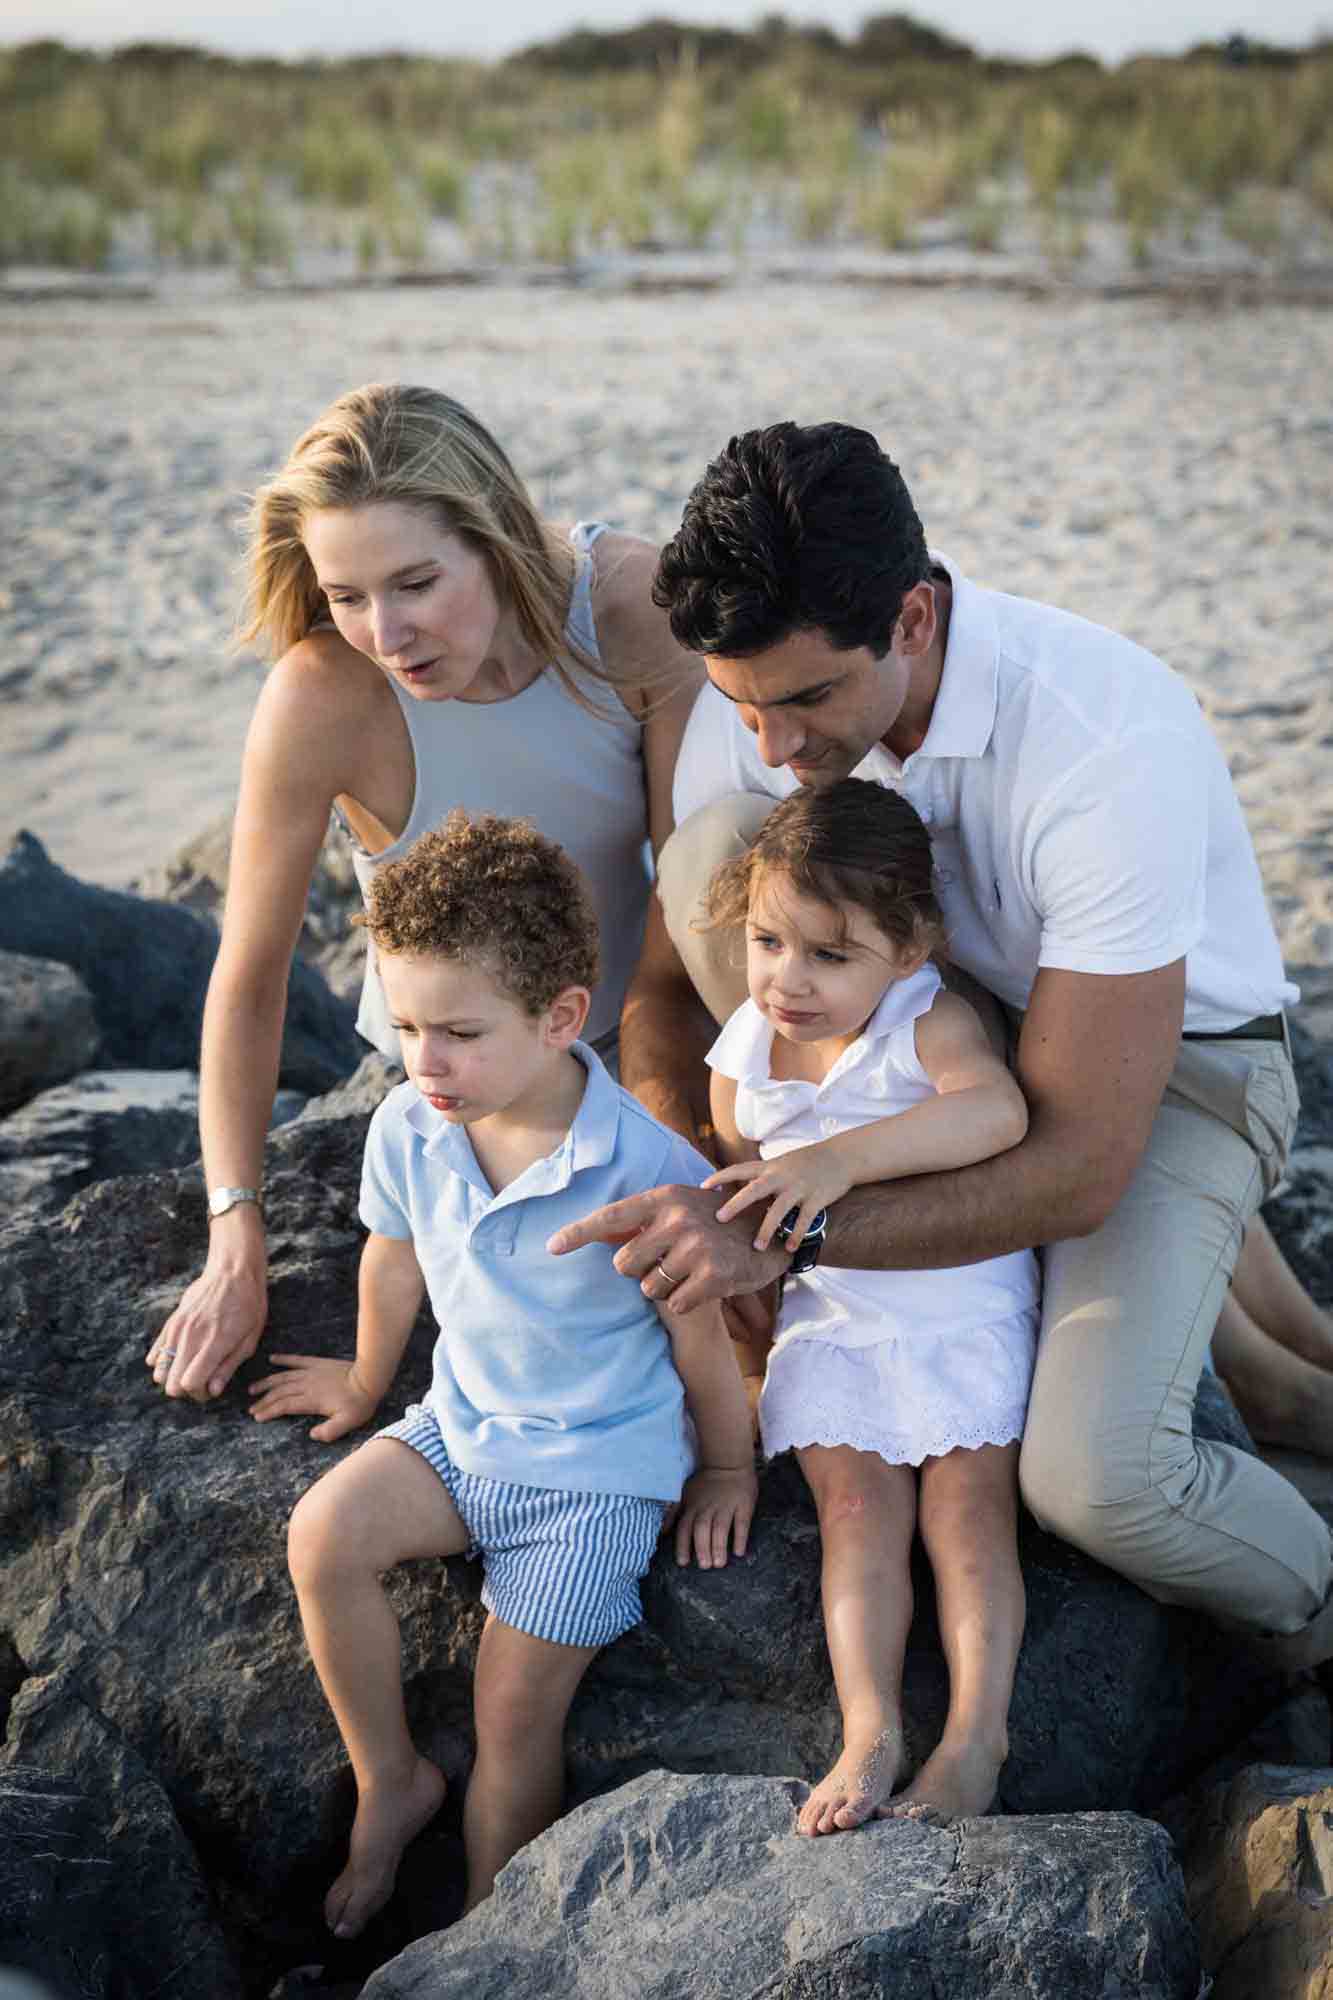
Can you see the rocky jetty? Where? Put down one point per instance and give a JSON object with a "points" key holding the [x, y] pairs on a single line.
{"points": [[164, 1733], [146, 965]]}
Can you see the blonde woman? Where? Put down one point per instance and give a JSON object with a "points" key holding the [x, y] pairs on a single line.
{"points": [[437, 644]]}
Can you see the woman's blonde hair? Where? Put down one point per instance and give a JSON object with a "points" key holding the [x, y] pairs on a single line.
{"points": [[416, 446]]}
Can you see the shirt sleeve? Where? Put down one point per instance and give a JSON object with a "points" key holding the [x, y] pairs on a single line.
{"points": [[383, 1205], [1118, 858]]}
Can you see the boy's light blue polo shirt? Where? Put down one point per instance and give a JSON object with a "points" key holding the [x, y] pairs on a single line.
{"points": [[549, 1371]]}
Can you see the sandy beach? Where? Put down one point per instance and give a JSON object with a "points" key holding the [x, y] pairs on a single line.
{"points": [[1165, 469]]}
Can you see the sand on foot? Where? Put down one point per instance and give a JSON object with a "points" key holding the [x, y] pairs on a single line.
{"points": [[859, 1785]]}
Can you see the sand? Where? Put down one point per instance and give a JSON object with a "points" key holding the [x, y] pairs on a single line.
{"points": [[1164, 469]]}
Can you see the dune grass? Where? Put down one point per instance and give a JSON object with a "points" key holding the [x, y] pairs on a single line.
{"points": [[653, 138]]}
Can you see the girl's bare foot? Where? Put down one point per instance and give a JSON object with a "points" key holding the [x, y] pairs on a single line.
{"points": [[858, 1786], [387, 1818], [958, 1781]]}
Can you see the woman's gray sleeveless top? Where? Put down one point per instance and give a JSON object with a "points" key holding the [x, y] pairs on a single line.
{"points": [[540, 756]]}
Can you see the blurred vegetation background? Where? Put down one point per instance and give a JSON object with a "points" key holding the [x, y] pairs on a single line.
{"points": [[659, 137]]}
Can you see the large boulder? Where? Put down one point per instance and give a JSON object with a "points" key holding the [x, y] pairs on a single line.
{"points": [[147, 966], [48, 1030], [1302, 1216], [1257, 1854], [100, 1892], [196, 876], [699, 1886], [104, 1123], [142, 1551]]}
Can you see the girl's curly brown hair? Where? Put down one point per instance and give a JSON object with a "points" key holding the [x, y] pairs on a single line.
{"points": [[490, 892], [853, 842]]}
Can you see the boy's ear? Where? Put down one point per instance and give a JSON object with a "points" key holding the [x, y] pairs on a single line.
{"points": [[566, 1015]]}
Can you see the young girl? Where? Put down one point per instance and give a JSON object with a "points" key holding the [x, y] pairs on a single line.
{"points": [[903, 1392]]}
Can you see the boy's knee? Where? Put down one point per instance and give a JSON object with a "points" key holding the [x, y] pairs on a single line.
{"points": [[507, 1709], [313, 1540]]}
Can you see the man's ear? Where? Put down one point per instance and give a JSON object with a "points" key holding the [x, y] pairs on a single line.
{"points": [[564, 1018], [918, 619]]}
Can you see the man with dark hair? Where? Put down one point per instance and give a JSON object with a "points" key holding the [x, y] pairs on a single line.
{"points": [[1096, 875]]}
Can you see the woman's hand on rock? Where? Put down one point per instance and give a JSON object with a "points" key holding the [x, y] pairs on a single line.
{"points": [[217, 1325], [314, 1385]]}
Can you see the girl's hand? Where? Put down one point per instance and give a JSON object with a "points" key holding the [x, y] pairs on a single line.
{"points": [[806, 1179], [313, 1385], [716, 1507]]}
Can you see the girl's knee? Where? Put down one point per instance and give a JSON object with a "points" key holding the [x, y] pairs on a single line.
{"points": [[853, 1486]]}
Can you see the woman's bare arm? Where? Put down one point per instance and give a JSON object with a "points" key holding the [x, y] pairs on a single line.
{"points": [[300, 754]]}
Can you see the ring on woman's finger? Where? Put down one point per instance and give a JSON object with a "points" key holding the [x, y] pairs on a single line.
{"points": [[664, 1273], [167, 1354]]}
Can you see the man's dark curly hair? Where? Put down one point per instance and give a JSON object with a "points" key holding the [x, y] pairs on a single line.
{"points": [[793, 529], [490, 892]]}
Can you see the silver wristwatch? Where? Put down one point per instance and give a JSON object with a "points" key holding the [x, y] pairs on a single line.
{"points": [[221, 1199]]}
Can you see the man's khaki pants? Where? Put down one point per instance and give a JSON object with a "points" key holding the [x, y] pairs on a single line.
{"points": [[1109, 1458]]}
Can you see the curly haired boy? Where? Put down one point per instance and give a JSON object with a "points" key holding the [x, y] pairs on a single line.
{"points": [[553, 1438]]}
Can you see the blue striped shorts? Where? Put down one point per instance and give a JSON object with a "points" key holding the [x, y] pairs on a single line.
{"points": [[561, 1566]]}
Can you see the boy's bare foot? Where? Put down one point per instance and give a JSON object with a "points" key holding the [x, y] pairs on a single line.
{"points": [[956, 1782], [387, 1818], [858, 1786]]}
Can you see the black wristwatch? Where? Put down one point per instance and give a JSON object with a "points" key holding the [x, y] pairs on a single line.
{"points": [[806, 1255]]}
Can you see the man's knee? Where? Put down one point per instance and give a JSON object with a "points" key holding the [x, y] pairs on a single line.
{"points": [[697, 848], [1083, 1503], [1111, 1513]]}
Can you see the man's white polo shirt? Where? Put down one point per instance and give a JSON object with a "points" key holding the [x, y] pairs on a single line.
{"points": [[1081, 813]]}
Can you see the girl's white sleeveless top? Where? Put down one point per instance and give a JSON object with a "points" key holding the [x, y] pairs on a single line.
{"points": [[578, 775], [878, 1075]]}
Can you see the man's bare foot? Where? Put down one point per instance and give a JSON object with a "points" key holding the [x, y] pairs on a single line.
{"points": [[387, 1818], [956, 1782], [858, 1786]]}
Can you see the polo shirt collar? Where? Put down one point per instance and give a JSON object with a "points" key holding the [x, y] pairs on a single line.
{"points": [[963, 719], [590, 1141]]}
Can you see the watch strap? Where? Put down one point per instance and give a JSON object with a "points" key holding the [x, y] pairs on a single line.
{"points": [[806, 1254], [223, 1199]]}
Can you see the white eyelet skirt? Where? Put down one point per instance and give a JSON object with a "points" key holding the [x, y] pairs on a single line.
{"points": [[906, 1397]]}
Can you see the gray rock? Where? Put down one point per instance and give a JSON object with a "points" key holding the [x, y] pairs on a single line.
{"points": [[105, 1122], [196, 876], [100, 1892], [699, 1886], [142, 1550], [1301, 1217], [47, 1027], [370, 1082], [147, 965]]}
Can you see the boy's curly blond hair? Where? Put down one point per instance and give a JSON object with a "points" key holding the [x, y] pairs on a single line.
{"points": [[490, 892]]}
